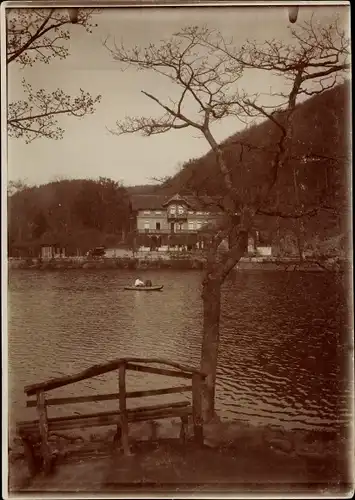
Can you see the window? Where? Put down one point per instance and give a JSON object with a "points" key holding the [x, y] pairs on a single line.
{"points": [[146, 226], [157, 212], [172, 210], [199, 213], [172, 227], [181, 210], [199, 224], [191, 213], [157, 226], [146, 212], [191, 225]]}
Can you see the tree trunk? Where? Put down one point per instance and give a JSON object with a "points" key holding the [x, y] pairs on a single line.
{"points": [[298, 222], [211, 296], [298, 230]]}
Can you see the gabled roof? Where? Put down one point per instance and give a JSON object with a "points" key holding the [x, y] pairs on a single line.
{"points": [[178, 199], [148, 201], [158, 202]]}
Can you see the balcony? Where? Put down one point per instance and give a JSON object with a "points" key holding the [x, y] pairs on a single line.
{"points": [[177, 218], [167, 231]]}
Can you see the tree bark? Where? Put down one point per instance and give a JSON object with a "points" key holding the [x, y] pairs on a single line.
{"points": [[299, 237], [211, 296], [298, 222]]}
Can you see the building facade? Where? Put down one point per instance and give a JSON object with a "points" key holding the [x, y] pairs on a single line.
{"points": [[171, 223], [175, 222], [52, 251]]}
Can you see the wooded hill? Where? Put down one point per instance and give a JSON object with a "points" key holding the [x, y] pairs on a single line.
{"points": [[81, 214], [77, 214], [315, 173]]}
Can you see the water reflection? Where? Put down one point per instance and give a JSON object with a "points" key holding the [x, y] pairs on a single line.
{"points": [[281, 356]]}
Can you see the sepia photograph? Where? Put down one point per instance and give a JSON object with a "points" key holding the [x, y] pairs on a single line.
{"points": [[177, 291]]}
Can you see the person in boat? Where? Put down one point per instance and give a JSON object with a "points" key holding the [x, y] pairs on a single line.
{"points": [[138, 282], [148, 283]]}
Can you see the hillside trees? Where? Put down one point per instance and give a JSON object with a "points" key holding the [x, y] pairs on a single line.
{"points": [[79, 214], [103, 205], [205, 71], [39, 36], [317, 168]]}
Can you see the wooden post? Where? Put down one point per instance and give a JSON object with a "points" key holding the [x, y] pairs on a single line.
{"points": [[183, 429], [43, 429], [123, 410], [30, 456], [117, 437], [197, 407]]}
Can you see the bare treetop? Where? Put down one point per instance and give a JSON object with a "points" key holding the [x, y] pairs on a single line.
{"points": [[206, 68], [207, 81], [36, 115], [313, 62], [38, 34]]}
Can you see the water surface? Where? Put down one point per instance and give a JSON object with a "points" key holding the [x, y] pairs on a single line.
{"points": [[283, 358]]}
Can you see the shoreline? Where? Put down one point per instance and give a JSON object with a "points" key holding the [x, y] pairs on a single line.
{"points": [[259, 451], [159, 263]]}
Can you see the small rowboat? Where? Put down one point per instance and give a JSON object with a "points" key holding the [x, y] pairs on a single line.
{"points": [[145, 288]]}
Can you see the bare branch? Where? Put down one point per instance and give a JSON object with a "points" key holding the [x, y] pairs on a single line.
{"points": [[36, 116], [32, 29], [295, 215], [175, 114], [39, 35], [206, 67]]}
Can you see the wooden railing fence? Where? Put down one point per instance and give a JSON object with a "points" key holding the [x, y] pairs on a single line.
{"points": [[44, 425]]}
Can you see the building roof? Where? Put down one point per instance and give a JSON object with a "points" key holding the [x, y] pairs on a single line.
{"points": [[158, 202], [148, 201], [178, 199]]}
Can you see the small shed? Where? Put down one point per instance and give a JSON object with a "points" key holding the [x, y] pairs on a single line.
{"points": [[52, 251]]}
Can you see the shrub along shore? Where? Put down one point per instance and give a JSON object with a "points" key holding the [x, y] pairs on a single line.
{"points": [[112, 263], [179, 263]]}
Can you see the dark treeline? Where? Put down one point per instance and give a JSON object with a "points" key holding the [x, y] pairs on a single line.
{"points": [[77, 214]]}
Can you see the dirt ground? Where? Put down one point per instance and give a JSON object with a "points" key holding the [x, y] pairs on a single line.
{"points": [[166, 465]]}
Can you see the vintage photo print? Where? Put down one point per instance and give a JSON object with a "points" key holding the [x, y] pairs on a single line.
{"points": [[177, 249]]}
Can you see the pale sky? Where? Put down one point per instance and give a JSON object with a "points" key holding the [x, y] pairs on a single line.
{"points": [[88, 150]]}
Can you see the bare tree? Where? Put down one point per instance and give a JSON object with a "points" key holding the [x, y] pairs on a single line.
{"points": [[40, 35], [204, 69]]}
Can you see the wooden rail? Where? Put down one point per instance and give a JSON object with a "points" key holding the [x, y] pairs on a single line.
{"points": [[120, 418], [100, 369], [111, 397]]}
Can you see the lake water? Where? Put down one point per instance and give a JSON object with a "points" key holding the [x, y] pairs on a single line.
{"points": [[284, 354]]}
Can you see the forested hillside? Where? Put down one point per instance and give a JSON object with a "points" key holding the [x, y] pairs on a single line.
{"points": [[316, 172], [80, 214], [77, 214], [144, 189]]}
